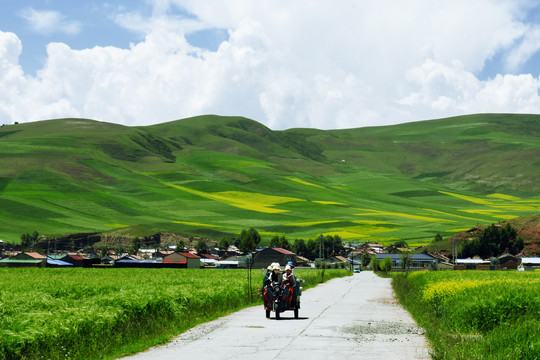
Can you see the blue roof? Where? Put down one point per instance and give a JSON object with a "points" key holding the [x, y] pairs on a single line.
{"points": [[414, 257], [134, 261], [58, 262]]}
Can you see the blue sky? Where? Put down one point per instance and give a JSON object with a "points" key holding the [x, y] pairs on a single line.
{"points": [[286, 64], [84, 25]]}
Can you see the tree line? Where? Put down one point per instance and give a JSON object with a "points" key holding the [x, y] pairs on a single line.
{"points": [[249, 240], [493, 241]]}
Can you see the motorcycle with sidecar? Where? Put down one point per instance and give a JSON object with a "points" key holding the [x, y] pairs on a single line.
{"points": [[279, 298]]}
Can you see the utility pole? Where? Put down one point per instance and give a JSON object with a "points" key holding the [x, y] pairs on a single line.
{"points": [[321, 242]]}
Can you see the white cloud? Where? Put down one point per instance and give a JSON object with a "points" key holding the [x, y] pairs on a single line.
{"points": [[287, 64], [49, 21], [12, 79], [529, 45], [446, 91]]}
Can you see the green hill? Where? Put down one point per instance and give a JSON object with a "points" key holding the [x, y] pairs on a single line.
{"points": [[212, 176]]}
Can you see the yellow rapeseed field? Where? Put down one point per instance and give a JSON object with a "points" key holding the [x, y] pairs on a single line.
{"points": [[245, 200], [303, 182], [445, 290], [312, 223], [369, 212]]}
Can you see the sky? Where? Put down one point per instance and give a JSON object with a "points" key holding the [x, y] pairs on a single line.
{"points": [[287, 64]]}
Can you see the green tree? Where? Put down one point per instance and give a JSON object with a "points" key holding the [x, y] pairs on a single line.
{"points": [[386, 264], [25, 239], [405, 260], [202, 247], [254, 234], [299, 247], [312, 249], [365, 259], [135, 245], [492, 242], [274, 242], [224, 244], [180, 245], [401, 244], [375, 263], [437, 238], [284, 243], [249, 240], [29, 239]]}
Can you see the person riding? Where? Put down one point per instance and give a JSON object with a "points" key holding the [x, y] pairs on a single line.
{"points": [[288, 276], [291, 264], [289, 287], [267, 274], [273, 275], [276, 274]]}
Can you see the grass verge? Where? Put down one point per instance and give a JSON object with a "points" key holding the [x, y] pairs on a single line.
{"points": [[475, 315]]}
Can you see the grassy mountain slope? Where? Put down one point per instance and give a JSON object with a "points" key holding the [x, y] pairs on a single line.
{"points": [[215, 175]]}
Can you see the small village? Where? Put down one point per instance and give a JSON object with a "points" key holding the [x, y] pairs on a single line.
{"points": [[352, 258]]}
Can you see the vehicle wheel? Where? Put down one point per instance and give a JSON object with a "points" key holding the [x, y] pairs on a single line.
{"points": [[267, 314], [296, 313], [278, 315]]}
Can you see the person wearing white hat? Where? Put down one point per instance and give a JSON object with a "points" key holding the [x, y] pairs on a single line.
{"points": [[289, 286], [276, 273], [288, 277]]}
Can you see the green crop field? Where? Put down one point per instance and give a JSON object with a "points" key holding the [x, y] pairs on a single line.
{"points": [[214, 176], [475, 314], [105, 313]]}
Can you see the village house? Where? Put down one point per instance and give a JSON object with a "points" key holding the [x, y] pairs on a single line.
{"points": [[508, 262], [337, 259], [77, 259], [190, 260], [530, 263], [134, 261], [265, 257], [375, 248], [25, 259], [303, 261], [422, 261], [470, 264]]}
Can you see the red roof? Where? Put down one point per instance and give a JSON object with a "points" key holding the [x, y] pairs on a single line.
{"points": [[173, 261], [283, 251], [35, 255], [189, 255], [209, 256]]}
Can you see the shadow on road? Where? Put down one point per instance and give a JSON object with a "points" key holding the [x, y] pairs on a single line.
{"points": [[290, 318]]}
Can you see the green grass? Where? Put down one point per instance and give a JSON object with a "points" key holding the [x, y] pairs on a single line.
{"points": [[106, 313], [475, 314], [74, 175]]}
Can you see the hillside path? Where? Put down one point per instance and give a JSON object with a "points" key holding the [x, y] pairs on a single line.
{"points": [[346, 318]]}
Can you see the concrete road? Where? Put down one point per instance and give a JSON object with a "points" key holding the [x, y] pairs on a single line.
{"points": [[355, 317]]}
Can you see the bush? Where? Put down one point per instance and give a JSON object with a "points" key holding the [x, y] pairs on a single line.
{"points": [[386, 264], [375, 263]]}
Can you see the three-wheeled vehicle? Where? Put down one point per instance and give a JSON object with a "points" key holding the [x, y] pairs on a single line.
{"points": [[278, 298]]}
